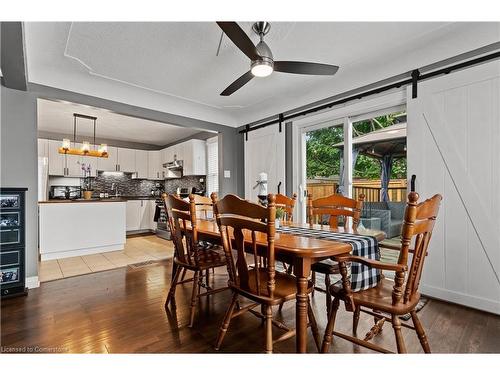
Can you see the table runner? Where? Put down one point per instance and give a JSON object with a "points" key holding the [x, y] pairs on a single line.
{"points": [[362, 277]]}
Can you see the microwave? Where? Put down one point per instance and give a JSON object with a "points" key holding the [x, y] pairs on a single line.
{"points": [[65, 192]]}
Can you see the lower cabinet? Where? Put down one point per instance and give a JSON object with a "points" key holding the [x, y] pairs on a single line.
{"points": [[140, 214]]}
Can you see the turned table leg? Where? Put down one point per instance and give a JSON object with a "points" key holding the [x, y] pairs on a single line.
{"points": [[302, 268]]}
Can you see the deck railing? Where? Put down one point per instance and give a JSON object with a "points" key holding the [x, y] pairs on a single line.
{"points": [[370, 188]]}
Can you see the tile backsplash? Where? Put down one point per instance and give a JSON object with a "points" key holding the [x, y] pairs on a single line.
{"points": [[125, 183], [127, 186], [185, 182]]}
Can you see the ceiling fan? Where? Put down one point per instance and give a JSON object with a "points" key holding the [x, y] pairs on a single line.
{"points": [[262, 61]]}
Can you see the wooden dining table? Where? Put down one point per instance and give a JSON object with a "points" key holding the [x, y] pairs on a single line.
{"points": [[301, 252]]}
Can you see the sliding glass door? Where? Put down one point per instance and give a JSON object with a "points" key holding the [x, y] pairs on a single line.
{"points": [[360, 152]]}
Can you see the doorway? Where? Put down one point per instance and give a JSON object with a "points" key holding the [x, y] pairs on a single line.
{"points": [[361, 151]]}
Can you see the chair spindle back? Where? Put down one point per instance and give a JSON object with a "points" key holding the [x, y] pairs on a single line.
{"points": [[182, 215], [418, 225], [336, 206], [241, 223], [287, 204]]}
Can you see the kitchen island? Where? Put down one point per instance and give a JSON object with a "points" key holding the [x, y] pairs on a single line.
{"points": [[71, 228]]}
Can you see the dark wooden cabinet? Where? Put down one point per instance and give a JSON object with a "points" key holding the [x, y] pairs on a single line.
{"points": [[12, 241]]}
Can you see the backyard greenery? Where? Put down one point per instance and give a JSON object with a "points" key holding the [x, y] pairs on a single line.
{"points": [[323, 160]]}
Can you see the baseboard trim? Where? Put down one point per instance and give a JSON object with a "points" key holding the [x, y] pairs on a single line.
{"points": [[474, 302], [32, 282]]}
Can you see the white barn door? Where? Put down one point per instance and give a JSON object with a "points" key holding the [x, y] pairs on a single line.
{"points": [[265, 152], [454, 149]]}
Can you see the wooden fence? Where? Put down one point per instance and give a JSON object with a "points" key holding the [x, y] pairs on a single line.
{"points": [[370, 188]]}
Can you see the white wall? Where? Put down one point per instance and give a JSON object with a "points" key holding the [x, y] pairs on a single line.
{"points": [[265, 152], [453, 148], [18, 162]]}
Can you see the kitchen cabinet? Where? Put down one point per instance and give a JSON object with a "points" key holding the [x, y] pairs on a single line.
{"points": [[43, 148], [56, 160], [133, 219], [144, 214], [151, 214], [141, 164], [125, 159], [155, 170], [63, 165], [139, 215], [194, 156], [108, 164]]}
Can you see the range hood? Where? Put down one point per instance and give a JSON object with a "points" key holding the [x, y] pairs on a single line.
{"points": [[174, 169]]}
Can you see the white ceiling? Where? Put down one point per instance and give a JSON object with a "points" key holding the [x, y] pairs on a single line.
{"points": [[172, 66], [57, 117]]}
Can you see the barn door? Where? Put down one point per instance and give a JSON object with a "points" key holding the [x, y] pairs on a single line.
{"points": [[453, 149], [265, 152]]}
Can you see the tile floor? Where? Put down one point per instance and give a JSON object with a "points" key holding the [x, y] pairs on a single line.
{"points": [[137, 250]]}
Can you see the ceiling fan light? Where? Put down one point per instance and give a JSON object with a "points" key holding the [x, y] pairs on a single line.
{"points": [[262, 69]]}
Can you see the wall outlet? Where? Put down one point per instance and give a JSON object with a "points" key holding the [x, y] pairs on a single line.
{"points": [[227, 174]]}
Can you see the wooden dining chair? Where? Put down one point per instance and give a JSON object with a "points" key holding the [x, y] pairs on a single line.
{"points": [[287, 204], [338, 210], [204, 206], [188, 254], [390, 298], [248, 226]]}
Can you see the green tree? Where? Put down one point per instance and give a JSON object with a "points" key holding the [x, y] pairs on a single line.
{"points": [[323, 160]]}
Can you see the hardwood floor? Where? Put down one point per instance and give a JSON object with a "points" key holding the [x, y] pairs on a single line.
{"points": [[121, 311]]}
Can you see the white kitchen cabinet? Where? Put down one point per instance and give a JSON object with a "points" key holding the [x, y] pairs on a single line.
{"points": [[144, 214], [125, 159], [43, 148], [141, 164], [133, 218], [152, 210], [108, 164], [154, 169], [56, 160], [194, 156], [74, 167], [139, 215]]}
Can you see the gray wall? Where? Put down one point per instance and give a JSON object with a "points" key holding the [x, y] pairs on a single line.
{"points": [[19, 162]]}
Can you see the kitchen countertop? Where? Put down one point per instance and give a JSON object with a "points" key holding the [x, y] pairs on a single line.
{"points": [[121, 198], [94, 200]]}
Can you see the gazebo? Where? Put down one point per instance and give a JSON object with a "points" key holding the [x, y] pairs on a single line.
{"points": [[385, 145]]}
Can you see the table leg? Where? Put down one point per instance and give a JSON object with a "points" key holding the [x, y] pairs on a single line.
{"points": [[302, 268]]}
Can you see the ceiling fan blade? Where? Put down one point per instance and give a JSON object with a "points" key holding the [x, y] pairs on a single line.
{"points": [[240, 39], [300, 67], [238, 84]]}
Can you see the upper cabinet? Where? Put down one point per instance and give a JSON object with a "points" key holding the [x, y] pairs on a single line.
{"points": [[109, 164], [194, 154], [154, 167], [141, 164], [126, 160]]}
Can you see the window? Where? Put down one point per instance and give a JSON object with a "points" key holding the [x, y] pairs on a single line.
{"points": [[212, 165]]}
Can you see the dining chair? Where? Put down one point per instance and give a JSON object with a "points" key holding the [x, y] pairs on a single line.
{"points": [[390, 298], [287, 204], [204, 206], [188, 253], [339, 210], [242, 225]]}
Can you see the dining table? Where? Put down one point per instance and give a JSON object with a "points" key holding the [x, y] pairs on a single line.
{"points": [[299, 251]]}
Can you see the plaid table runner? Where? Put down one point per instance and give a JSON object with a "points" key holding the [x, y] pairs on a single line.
{"points": [[362, 277]]}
